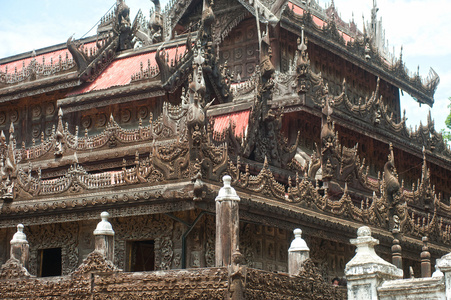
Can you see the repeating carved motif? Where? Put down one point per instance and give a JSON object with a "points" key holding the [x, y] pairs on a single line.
{"points": [[108, 283], [210, 232], [207, 283], [36, 70], [395, 207], [95, 262], [307, 285], [157, 228], [57, 235], [13, 269], [61, 139]]}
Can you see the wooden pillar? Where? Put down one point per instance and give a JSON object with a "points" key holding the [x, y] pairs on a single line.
{"points": [[104, 237], [396, 251], [227, 223], [425, 259]]}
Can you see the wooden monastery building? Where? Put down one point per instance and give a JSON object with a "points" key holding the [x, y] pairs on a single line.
{"points": [[143, 121]]}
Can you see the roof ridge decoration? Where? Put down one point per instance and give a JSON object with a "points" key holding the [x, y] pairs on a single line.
{"points": [[115, 33], [63, 142], [363, 48], [150, 32], [36, 70], [264, 140], [379, 211], [174, 72], [260, 11]]}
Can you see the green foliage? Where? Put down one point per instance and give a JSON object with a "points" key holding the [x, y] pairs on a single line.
{"points": [[447, 133]]}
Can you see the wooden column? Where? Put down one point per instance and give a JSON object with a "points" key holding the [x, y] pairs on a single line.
{"points": [[425, 259], [396, 250], [227, 223]]}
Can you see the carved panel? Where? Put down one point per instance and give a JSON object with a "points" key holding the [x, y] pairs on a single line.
{"points": [[49, 109], [330, 256], [264, 247], [14, 115], [148, 227], [4, 249], [240, 49], [86, 122], [210, 236], [36, 111], [58, 235]]}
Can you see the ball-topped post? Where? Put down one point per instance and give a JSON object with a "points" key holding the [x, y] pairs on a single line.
{"points": [[297, 253], [19, 246], [104, 237]]}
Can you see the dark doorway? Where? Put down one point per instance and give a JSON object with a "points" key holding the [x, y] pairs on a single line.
{"points": [[50, 264], [142, 256]]}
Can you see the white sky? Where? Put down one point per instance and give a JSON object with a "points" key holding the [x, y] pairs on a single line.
{"points": [[421, 27]]}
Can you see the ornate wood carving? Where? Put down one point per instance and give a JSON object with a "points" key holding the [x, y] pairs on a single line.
{"points": [[36, 70], [363, 50], [95, 262], [57, 235], [13, 269], [157, 228], [309, 284]]}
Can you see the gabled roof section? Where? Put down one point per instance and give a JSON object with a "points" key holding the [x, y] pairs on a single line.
{"points": [[38, 65], [128, 69], [45, 64], [364, 49], [176, 10], [238, 121]]}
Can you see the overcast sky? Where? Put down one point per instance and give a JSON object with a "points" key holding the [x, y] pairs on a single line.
{"points": [[421, 27]]}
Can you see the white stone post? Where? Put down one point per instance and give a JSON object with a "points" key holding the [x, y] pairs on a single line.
{"points": [[19, 246], [104, 237], [298, 253], [227, 223], [444, 265], [366, 270]]}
